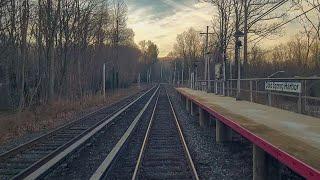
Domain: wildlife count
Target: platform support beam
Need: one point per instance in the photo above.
(223, 132)
(273, 168)
(203, 117)
(188, 105)
(184, 100)
(194, 109)
(260, 167)
(213, 121)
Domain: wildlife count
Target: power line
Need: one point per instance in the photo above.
(268, 12)
(285, 23)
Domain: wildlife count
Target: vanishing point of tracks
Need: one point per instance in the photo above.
(89, 147)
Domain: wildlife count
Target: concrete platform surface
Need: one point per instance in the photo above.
(292, 138)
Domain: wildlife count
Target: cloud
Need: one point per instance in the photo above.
(200, 5)
(163, 27)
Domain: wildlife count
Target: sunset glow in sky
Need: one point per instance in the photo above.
(161, 21)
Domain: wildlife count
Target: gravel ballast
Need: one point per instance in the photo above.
(232, 160)
(82, 163)
(123, 167)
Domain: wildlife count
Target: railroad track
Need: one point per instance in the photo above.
(164, 153)
(36, 155)
(156, 150)
(100, 148)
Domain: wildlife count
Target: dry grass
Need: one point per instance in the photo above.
(48, 117)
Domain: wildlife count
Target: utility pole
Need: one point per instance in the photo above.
(189, 83)
(182, 74)
(224, 74)
(239, 74)
(245, 39)
(208, 71)
(104, 81)
(150, 75)
(175, 73)
(161, 72)
(196, 75)
(139, 80)
(207, 59)
(117, 54)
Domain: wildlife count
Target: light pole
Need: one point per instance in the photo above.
(239, 43)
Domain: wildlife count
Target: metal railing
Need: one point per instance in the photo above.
(306, 101)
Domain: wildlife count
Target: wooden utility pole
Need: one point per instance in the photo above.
(139, 80)
(117, 54)
(175, 73)
(104, 80)
(182, 74)
(161, 71)
(207, 60)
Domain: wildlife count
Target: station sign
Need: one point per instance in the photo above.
(293, 87)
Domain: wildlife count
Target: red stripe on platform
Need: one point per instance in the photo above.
(292, 162)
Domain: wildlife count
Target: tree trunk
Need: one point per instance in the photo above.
(24, 33)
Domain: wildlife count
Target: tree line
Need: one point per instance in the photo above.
(257, 21)
(51, 49)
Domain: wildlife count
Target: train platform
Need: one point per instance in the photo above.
(291, 138)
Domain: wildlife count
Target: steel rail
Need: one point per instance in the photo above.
(38, 168)
(181, 137)
(190, 161)
(99, 173)
(145, 141)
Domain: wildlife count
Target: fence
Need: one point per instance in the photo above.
(301, 95)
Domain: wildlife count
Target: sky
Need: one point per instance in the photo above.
(162, 20)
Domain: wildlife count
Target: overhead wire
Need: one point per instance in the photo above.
(285, 23)
(268, 12)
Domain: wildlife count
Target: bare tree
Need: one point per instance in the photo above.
(53, 49)
(311, 19)
(24, 32)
